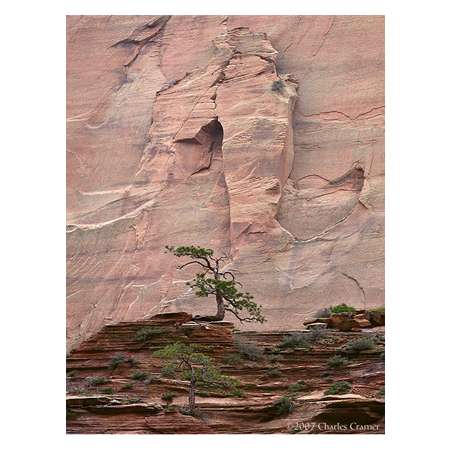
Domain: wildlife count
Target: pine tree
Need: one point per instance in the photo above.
(213, 280)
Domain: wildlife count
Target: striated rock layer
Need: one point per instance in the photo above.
(122, 404)
(257, 136)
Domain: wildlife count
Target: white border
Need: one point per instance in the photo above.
(33, 223)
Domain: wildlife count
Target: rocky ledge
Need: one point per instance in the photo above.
(349, 321)
(334, 381)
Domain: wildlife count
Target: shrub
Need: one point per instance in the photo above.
(249, 351)
(274, 373)
(116, 361)
(167, 397)
(70, 414)
(147, 333)
(168, 372)
(340, 387)
(77, 390)
(96, 381)
(277, 85)
(299, 386)
(139, 376)
(358, 345)
(342, 308)
(337, 361)
(381, 392)
(295, 340)
(380, 309)
(120, 359)
(236, 392)
(315, 334)
(232, 359)
(128, 386)
(132, 361)
(274, 358)
(283, 406)
(106, 390)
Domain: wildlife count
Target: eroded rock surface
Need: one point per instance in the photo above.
(121, 404)
(257, 136)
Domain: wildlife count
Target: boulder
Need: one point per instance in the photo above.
(343, 322)
(376, 318)
(363, 323)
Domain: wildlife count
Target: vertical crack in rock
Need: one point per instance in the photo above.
(254, 106)
(358, 285)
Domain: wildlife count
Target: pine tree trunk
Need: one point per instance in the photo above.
(220, 310)
(192, 392)
(220, 307)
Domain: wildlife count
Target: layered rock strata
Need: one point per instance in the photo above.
(122, 404)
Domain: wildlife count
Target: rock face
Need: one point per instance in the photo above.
(124, 404)
(256, 136)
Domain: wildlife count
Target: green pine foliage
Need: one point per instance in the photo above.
(214, 281)
(340, 387)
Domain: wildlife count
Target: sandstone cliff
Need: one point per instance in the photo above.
(258, 136)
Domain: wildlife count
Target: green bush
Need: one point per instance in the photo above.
(342, 308)
(283, 406)
(232, 359)
(116, 361)
(77, 390)
(299, 386)
(96, 381)
(358, 345)
(168, 372)
(337, 361)
(128, 386)
(147, 333)
(235, 392)
(119, 359)
(274, 358)
(315, 335)
(381, 392)
(106, 390)
(167, 397)
(340, 387)
(295, 340)
(132, 361)
(139, 376)
(249, 351)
